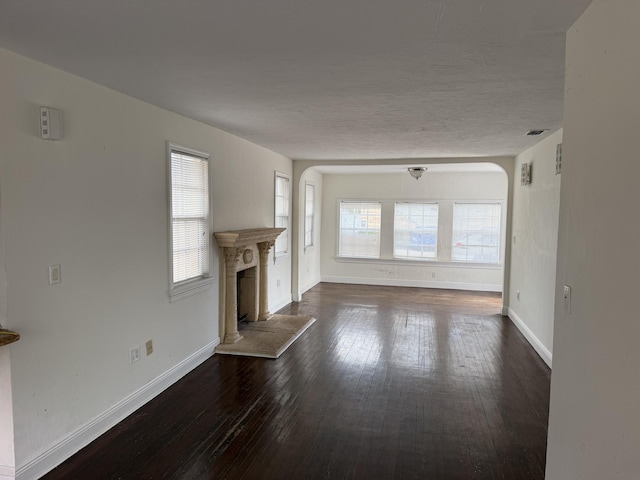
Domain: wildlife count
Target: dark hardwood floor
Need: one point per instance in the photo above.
(389, 383)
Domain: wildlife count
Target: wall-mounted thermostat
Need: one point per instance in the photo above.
(50, 124)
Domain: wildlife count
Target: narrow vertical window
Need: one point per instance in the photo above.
(189, 216)
(359, 229)
(415, 230)
(476, 232)
(282, 212)
(309, 208)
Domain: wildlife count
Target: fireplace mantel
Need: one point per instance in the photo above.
(243, 249)
(7, 337)
(243, 238)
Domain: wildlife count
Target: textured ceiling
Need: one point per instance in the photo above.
(347, 79)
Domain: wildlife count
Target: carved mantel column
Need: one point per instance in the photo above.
(264, 248)
(231, 256)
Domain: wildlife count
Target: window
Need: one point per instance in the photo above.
(309, 207)
(476, 232)
(282, 210)
(359, 229)
(415, 230)
(189, 218)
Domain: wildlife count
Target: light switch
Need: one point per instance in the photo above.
(567, 299)
(54, 274)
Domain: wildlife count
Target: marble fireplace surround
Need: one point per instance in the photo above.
(243, 250)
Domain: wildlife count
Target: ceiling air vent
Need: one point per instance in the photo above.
(533, 133)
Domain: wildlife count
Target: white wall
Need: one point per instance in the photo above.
(7, 457)
(594, 425)
(309, 262)
(96, 203)
(432, 186)
(533, 253)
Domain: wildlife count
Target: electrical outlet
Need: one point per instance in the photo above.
(278, 283)
(134, 354)
(149, 346)
(518, 294)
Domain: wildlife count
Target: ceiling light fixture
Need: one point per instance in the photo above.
(416, 172)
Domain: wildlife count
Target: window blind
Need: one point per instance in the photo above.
(476, 232)
(359, 229)
(190, 216)
(415, 231)
(309, 211)
(282, 210)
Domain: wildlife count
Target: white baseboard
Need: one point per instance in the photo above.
(505, 311)
(387, 282)
(537, 345)
(309, 285)
(278, 304)
(7, 473)
(84, 435)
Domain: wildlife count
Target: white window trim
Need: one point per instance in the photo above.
(276, 254)
(390, 260)
(190, 287)
(313, 216)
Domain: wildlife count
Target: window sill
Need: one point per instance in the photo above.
(186, 290)
(417, 263)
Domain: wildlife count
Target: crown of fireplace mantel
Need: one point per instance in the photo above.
(242, 238)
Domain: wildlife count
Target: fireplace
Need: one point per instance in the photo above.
(247, 295)
(246, 277)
